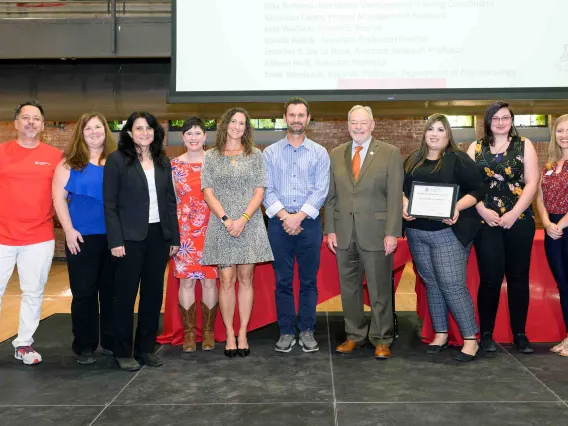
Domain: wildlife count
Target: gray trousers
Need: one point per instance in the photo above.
(441, 261)
(353, 264)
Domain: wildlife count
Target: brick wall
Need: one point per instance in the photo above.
(405, 133)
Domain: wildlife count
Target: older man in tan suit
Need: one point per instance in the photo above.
(363, 218)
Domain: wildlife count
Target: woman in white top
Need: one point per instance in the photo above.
(142, 232)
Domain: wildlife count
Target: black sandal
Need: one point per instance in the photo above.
(463, 357)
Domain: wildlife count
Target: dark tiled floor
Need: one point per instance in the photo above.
(270, 388)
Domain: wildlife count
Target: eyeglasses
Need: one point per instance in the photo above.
(505, 119)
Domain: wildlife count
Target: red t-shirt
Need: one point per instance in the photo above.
(26, 206)
(555, 189)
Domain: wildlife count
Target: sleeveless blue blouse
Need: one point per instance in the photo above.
(86, 208)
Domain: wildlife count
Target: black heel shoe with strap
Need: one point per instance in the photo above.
(434, 349)
(463, 357)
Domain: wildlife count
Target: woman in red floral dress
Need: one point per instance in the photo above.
(193, 217)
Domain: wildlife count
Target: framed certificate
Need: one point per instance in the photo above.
(432, 200)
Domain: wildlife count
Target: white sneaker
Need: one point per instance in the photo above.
(27, 355)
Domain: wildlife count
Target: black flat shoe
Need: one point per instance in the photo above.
(523, 344)
(434, 349)
(243, 352)
(463, 357)
(487, 343)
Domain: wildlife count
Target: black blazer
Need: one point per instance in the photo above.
(127, 201)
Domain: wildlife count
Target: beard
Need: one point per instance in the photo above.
(298, 131)
(31, 132)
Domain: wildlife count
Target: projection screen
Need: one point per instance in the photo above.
(267, 50)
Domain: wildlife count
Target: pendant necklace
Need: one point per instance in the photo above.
(234, 157)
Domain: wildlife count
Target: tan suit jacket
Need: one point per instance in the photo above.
(373, 204)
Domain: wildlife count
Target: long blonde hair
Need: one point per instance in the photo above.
(416, 159)
(554, 151)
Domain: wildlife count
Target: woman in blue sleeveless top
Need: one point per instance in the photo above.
(78, 201)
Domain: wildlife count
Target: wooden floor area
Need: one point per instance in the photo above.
(57, 297)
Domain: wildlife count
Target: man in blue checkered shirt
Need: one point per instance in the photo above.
(297, 185)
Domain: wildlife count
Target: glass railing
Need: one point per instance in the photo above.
(37, 9)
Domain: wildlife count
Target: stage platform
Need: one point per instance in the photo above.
(270, 388)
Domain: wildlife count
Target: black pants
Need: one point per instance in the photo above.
(504, 253)
(557, 255)
(91, 282)
(144, 264)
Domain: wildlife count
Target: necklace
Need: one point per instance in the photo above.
(497, 150)
(233, 154)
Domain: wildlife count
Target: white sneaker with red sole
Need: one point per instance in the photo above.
(27, 355)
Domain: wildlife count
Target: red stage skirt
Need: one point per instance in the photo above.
(545, 322)
(264, 308)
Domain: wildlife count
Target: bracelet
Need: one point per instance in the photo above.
(246, 216)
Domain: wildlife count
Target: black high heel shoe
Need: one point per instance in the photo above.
(463, 357)
(434, 349)
(243, 352)
(231, 353)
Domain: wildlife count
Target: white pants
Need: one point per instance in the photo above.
(34, 262)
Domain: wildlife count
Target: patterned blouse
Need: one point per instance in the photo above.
(555, 189)
(503, 175)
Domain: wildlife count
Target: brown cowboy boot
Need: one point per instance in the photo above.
(188, 321)
(209, 315)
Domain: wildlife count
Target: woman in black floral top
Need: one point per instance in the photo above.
(503, 246)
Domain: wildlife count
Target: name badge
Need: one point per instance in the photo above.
(549, 173)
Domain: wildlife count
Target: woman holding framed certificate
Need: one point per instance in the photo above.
(509, 166)
(441, 188)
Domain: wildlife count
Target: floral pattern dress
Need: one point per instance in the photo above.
(193, 217)
(503, 175)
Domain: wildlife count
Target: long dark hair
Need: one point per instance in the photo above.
(129, 149)
(416, 159)
(488, 136)
(247, 140)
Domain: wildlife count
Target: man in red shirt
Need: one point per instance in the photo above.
(26, 219)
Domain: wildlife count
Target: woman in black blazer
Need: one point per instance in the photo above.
(142, 231)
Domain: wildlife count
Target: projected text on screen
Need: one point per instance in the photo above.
(338, 45)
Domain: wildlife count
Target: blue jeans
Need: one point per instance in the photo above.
(557, 255)
(305, 249)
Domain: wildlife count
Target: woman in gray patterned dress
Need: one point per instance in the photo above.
(233, 179)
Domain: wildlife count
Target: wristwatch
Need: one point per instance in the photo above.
(224, 218)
